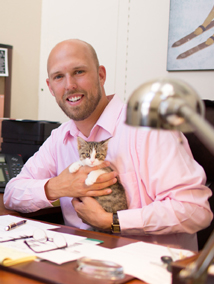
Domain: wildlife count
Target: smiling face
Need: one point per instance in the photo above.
(75, 79)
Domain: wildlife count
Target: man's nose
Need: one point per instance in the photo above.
(70, 83)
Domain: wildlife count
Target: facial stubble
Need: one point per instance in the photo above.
(82, 112)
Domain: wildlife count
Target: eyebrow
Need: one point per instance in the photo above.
(80, 66)
(75, 68)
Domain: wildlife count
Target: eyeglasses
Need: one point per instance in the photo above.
(3, 240)
(41, 243)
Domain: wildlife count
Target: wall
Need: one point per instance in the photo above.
(131, 39)
(21, 28)
(93, 21)
(130, 36)
(148, 45)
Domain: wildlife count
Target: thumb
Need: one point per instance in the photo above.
(75, 201)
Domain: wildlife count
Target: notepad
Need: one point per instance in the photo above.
(10, 256)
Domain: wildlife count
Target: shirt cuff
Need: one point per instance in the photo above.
(131, 221)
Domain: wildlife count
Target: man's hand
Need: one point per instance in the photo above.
(73, 184)
(92, 213)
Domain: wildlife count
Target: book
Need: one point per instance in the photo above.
(10, 256)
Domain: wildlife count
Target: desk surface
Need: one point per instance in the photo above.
(62, 272)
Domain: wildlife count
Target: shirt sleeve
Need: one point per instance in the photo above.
(175, 185)
(25, 193)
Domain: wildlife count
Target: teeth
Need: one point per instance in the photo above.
(74, 99)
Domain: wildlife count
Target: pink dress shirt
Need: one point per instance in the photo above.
(167, 198)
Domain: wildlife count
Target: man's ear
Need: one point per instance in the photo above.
(102, 74)
(50, 89)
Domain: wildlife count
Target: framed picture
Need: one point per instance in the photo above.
(191, 35)
(3, 62)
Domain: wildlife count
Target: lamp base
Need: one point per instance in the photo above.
(177, 266)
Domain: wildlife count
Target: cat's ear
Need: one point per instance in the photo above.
(81, 142)
(105, 142)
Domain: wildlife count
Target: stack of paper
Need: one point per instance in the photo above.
(9, 256)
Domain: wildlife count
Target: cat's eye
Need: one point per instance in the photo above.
(100, 157)
(87, 155)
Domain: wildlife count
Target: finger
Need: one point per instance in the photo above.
(102, 192)
(107, 177)
(101, 185)
(75, 201)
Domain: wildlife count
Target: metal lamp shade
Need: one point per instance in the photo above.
(156, 104)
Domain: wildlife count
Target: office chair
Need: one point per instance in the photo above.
(206, 159)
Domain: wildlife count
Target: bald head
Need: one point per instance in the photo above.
(73, 43)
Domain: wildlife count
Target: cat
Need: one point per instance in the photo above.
(92, 154)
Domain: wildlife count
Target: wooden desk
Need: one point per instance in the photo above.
(63, 272)
(66, 273)
(52, 214)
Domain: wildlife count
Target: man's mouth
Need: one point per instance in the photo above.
(74, 99)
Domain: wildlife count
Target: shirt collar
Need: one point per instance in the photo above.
(70, 131)
(109, 117)
(107, 120)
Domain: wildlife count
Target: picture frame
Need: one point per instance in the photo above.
(3, 62)
(191, 35)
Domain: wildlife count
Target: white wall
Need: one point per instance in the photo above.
(130, 37)
(94, 21)
(20, 27)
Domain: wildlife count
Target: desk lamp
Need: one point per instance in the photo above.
(171, 104)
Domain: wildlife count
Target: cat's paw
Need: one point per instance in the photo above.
(74, 167)
(90, 179)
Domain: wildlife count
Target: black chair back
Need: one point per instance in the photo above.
(206, 159)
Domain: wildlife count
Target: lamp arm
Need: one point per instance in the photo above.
(203, 130)
(197, 270)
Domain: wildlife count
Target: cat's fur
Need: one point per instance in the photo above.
(92, 154)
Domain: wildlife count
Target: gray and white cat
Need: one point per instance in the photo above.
(93, 154)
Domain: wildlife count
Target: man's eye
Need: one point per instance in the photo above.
(79, 72)
(57, 77)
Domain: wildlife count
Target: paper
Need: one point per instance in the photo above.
(138, 259)
(24, 230)
(59, 256)
(145, 259)
(9, 256)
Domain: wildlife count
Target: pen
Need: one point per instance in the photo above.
(14, 225)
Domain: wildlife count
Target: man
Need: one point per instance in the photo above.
(167, 199)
